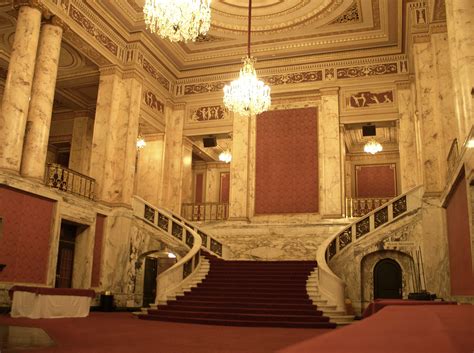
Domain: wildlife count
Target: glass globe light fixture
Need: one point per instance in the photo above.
(225, 156)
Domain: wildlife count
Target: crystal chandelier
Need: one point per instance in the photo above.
(372, 147)
(247, 94)
(178, 20)
(140, 142)
(225, 156)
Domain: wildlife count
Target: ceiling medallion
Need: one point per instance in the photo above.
(178, 20)
(247, 95)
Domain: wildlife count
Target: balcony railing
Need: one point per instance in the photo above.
(70, 181)
(209, 211)
(358, 207)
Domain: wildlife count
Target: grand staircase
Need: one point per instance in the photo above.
(247, 293)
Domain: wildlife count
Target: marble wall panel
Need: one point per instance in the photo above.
(212, 184)
(150, 170)
(408, 148)
(173, 160)
(272, 241)
(239, 168)
(81, 144)
(331, 177)
(187, 186)
(433, 154)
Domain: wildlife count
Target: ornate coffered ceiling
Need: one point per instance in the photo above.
(302, 31)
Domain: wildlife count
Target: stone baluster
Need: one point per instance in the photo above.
(38, 122)
(16, 97)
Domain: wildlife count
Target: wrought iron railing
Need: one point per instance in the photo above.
(209, 211)
(330, 285)
(177, 228)
(68, 180)
(358, 207)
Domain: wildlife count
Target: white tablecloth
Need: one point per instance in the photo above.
(41, 306)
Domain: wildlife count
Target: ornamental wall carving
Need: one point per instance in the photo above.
(368, 70)
(92, 29)
(213, 112)
(153, 72)
(351, 15)
(151, 100)
(367, 99)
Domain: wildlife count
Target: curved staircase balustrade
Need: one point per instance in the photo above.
(330, 285)
(180, 274)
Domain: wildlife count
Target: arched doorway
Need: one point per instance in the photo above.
(387, 279)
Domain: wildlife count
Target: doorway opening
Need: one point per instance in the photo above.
(387, 279)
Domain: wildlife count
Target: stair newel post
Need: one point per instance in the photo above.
(390, 212)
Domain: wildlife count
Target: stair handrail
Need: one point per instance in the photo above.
(330, 285)
(175, 277)
(210, 243)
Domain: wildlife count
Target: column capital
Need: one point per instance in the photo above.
(35, 4)
(111, 70)
(133, 73)
(327, 91)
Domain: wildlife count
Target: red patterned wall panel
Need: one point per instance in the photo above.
(199, 186)
(99, 236)
(24, 245)
(224, 189)
(459, 241)
(376, 180)
(287, 162)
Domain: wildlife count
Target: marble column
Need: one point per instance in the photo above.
(187, 187)
(41, 106)
(16, 97)
(407, 130)
(150, 169)
(239, 168)
(114, 150)
(431, 134)
(460, 17)
(173, 162)
(81, 144)
(330, 174)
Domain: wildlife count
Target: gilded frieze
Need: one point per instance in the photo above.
(204, 87)
(92, 29)
(368, 70)
(148, 67)
(300, 77)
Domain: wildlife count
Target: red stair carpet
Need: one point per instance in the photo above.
(248, 293)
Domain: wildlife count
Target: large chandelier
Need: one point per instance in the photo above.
(372, 147)
(178, 20)
(225, 156)
(247, 95)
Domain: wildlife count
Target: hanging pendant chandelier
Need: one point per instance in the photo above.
(373, 147)
(247, 95)
(178, 20)
(225, 156)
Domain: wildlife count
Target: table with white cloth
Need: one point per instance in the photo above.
(42, 303)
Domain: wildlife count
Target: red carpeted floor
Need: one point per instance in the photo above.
(248, 293)
(121, 332)
(401, 329)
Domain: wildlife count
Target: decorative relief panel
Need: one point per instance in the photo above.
(351, 15)
(368, 70)
(151, 100)
(216, 247)
(153, 72)
(204, 87)
(163, 222)
(177, 230)
(92, 29)
(300, 77)
(213, 112)
(203, 237)
(369, 99)
(149, 214)
(380, 217)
